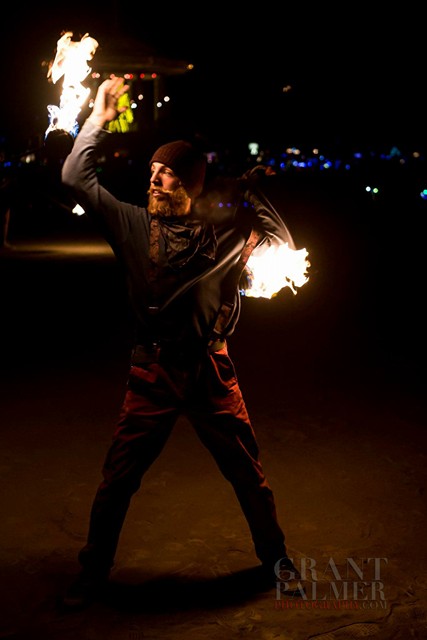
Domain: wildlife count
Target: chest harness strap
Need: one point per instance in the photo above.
(217, 340)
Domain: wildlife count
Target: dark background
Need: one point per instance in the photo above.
(356, 73)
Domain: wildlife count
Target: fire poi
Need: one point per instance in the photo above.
(268, 270)
(71, 62)
(275, 269)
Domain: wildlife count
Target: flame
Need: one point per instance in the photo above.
(276, 268)
(71, 61)
(78, 210)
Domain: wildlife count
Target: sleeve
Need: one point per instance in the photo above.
(79, 176)
(269, 224)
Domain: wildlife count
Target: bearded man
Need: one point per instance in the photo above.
(179, 271)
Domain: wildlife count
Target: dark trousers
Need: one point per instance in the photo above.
(160, 388)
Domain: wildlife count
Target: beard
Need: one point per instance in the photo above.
(174, 203)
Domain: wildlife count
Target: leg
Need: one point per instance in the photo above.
(145, 423)
(221, 421)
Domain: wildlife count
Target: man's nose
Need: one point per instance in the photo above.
(155, 177)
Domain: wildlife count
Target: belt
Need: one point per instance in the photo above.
(144, 354)
(149, 352)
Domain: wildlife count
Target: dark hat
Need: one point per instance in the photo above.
(186, 162)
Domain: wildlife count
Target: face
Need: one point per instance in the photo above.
(167, 196)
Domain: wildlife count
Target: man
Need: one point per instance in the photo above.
(180, 271)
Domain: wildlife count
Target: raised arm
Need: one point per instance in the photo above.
(79, 173)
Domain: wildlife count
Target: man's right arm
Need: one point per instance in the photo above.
(79, 169)
(80, 177)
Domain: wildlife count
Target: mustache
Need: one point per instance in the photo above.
(160, 190)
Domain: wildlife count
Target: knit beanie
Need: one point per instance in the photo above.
(186, 162)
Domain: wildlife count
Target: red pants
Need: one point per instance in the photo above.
(208, 393)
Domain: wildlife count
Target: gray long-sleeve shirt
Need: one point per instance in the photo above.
(197, 258)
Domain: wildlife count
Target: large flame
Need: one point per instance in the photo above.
(71, 61)
(276, 268)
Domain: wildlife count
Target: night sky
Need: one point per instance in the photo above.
(356, 75)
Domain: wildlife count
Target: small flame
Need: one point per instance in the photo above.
(78, 210)
(71, 61)
(277, 268)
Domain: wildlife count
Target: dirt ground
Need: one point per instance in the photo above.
(334, 382)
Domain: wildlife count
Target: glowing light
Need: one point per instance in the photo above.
(275, 269)
(253, 148)
(27, 159)
(78, 210)
(71, 62)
